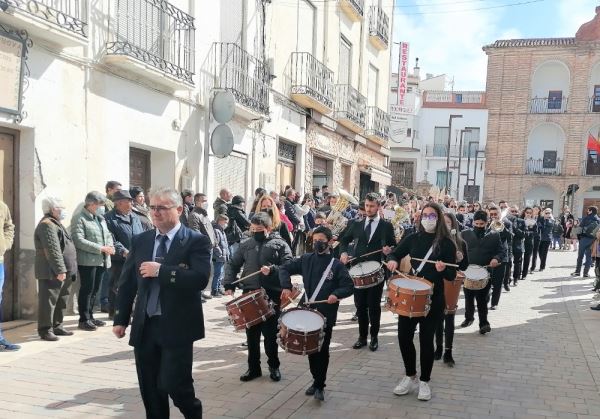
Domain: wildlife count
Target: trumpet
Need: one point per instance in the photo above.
(336, 220)
(497, 226)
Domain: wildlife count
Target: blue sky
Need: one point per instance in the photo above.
(447, 36)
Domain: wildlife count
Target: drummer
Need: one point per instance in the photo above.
(446, 325)
(264, 251)
(370, 234)
(431, 242)
(484, 249)
(337, 284)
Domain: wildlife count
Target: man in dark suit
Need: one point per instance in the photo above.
(371, 234)
(166, 269)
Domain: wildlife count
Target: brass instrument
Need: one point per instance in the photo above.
(497, 226)
(400, 217)
(336, 220)
(530, 222)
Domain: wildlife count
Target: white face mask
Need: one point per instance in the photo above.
(62, 214)
(204, 205)
(429, 225)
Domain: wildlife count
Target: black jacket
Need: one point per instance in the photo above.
(383, 236)
(483, 249)
(519, 229)
(291, 213)
(182, 277)
(312, 266)
(531, 232)
(123, 228)
(238, 224)
(253, 255)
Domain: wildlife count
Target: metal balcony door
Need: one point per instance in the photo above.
(139, 168)
(7, 195)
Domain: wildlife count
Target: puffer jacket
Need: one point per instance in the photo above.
(90, 233)
(7, 232)
(54, 250)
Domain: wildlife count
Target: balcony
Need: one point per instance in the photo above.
(544, 167)
(310, 82)
(594, 104)
(244, 75)
(548, 105)
(153, 39)
(378, 125)
(379, 28)
(61, 22)
(591, 166)
(441, 150)
(354, 9)
(350, 108)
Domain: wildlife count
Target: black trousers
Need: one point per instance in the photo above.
(517, 265)
(165, 372)
(268, 329)
(527, 259)
(497, 282)
(91, 277)
(508, 270)
(445, 329)
(482, 297)
(115, 273)
(52, 303)
(534, 255)
(406, 334)
(544, 247)
(319, 362)
(368, 310)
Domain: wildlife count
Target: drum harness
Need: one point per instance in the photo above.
(424, 261)
(320, 284)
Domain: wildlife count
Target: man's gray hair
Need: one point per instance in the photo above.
(94, 197)
(51, 202)
(167, 193)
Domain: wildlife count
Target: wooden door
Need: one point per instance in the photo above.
(139, 168)
(286, 174)
(7, 195)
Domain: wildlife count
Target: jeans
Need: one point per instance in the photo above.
(1, 289)
(585, 249)
(218, 273)
(556, 242)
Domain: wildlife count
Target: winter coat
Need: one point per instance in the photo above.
(90, 233)
(198, 220)
(221, 249)
(7, 232)
(546, 227)
(238, 224)
(144, 214)
(122, 228)
(54, 250)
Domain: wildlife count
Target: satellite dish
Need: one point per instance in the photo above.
(221, 141)
(223, 106)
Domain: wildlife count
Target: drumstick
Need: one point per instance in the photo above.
(247, 276)
(366, 254)
(316, 302)
(401, 274)
(434, 262)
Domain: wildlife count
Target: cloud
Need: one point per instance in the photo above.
(572, 14)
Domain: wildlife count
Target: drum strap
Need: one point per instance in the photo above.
(321, 282)
(424, 261)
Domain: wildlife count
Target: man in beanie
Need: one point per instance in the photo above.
(238, 222)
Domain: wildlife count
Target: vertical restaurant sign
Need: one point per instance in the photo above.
(402, 72)
(11, 70)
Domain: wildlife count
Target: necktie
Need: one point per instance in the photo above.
(368, 230)
(153, 305)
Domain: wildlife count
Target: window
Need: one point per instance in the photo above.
(409, 89)
(596, 99)
(555, 99)
(440, 180)
(549, 161)
(345, 73)
(471, 141)
(373, 85)
(458, 98)
(440, 142)
(403, 173)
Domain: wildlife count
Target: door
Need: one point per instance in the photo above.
(285, 175)
(596, 99)
(139, 168)
(7, 195)
(366, 185)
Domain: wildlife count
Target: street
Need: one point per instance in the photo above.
(540, 360)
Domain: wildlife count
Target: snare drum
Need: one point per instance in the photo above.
(367, 274)
(296, 292)
(301, 331)
(249, 309)
(476, 277)
(452, 292)
(409, 296)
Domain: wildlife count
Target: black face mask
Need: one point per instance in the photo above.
(268, 211)
(480, 231)
(259, 236)
(320, 246)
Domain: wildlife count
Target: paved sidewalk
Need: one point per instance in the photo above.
(540, 361)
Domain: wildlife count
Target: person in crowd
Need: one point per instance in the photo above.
(110, 188)
(7, 236)
(55, 269)
(222, 202)
(140, 208)
(557, 236)
(324, 278)
(198, 221)
(289, 202)
(283, 215)
(566, 221)
(238, 222)
(188, 205)
(500, 279)
(589, 226)
(264, 251)
(537, 214)
(575, 232)
(476, 207)
(164, 275)
(546, 226)
(94, 245)
(220, 255)
(518, 243)
(268, 206)
(531, 230)
(316, 193)
(567, 234)
(123, 224)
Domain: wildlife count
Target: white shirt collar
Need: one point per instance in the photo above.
(171, 233)
(375, 219)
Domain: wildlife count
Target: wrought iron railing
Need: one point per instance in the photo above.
(244, 75)
(594, 105)
(357, 5)
(378, 123)
(350, 105)
(67, 14)
(548, 105)
(591, 166)
(379, 24)
(156, 33)
(551, 167)
(309, 76)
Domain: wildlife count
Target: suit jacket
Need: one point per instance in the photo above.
(182, 277)
(383, 236)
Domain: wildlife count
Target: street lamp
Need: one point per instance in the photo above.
(462, 134)
(448, 150)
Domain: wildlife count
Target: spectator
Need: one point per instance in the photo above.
(284, 217)
(220, 255)
(94, 246)
(7, 236)
(557, 233)
(188, 205)
(198, 220)
(331, 201)
(267, 205)
(238, 223)
(589, 227)
(575, 232)
(111, 187)
(222, 202)
(140, 208)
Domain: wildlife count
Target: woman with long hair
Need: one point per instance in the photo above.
(446, 324)
(266, 204)
(431, 241)
(537, 214)
(531, 231)
(546, 226)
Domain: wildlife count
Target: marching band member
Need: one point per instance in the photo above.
(518, 242)
(264, 251)
(484, 249)
(371, 234)
(432, 242)
(531, 231)
(315, 268)
(506, 234)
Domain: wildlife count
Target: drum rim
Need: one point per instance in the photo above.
(392, 286)
(380, 266)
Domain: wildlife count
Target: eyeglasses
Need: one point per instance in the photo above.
(453, 207)
(161, 208)
(429, 217)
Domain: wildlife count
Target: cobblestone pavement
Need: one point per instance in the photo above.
(541, 360)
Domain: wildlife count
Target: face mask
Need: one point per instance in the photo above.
(204, 205)
(480, 231)
(260, 236)
(100, 211)
(224, 226)
(62, 214)
(268, 211)
(320, 246)
(429, 225)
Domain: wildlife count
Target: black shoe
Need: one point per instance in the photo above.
(586, 275)
(374, 344)
(319, 394)
(310, 391)
(514, 284)
(87, 326)
(597, 308)
(466, 323)
(275, 374)
(448, 360)
(493, 307)
(575, 274)
(359, 344)
(98, 323)
(250, 375)
(532, 271)
(244, 344)
(215, 294)
(59, 331)
(354, 318)
(541, 270)
(438, 354)
(104, 308)
(49, 336)
(485, 329)
(506, 287)
(523, 278)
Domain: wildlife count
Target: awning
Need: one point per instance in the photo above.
(383, 178)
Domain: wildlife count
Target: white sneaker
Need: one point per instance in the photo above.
(424, 391)
(406, 386)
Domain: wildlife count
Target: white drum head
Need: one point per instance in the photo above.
(302, 320)
(476, 273)
(411, 284)
(365, 268)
